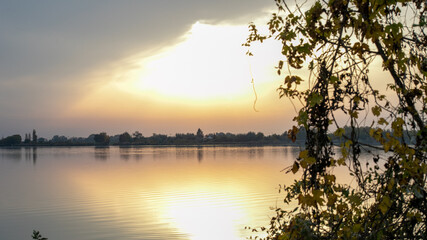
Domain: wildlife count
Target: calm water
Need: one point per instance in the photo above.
(140, 193)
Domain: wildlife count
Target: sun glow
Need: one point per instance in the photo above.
(209, 63)
(204, 76)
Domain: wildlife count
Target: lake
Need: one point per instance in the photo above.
(140, 192)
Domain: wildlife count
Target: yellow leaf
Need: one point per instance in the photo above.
(385, 204)
(304, 164)
(329, 179)
(339, 132)
(376, 110)
(310, 160)
(317, 197)
(342, 208)
(354, 114)
(303, 154)
(387, 146)
(382, 121)
(295, 167)
(332, 198)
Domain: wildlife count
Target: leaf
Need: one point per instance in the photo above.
(339, 132)
(304, 164)
(317, 196)
(315, 99)
(376, 110)
(302, 118)
(382, 121)
(385, 204)
(292, 133)
(329, 179)
(310, 160)
(333, 79)
(303, 154)
(354, 114)
(295, 167)
(332, 198)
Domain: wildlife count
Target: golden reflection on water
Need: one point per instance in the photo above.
(199, 218)
(212, 199)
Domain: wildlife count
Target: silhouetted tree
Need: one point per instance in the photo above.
(102, 139)
(125, 138)
(137, 136)
(199, 135)
(11, 140)
(27, 138)
(34, 136)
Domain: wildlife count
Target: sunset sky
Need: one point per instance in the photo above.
(79, 67)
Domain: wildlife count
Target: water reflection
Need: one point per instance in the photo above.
(14, 154)
(175, 193)
(102, 153)
(200, 154)
(124, 152)
(128, 152)
(34, 155)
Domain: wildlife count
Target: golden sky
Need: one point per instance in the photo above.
(203, 80)
(74, 69)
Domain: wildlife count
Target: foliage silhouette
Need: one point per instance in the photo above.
(37, 236)
(337, 42)
(11, 140)
(102, 139)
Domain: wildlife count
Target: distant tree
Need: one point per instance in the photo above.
(125, 138)
(34, 136)
(11, 140)
(41, 140)
(259, 136)
(158, 139)
(90, 139)
(27, 138)
(250, 136)
(199, 135)
(59, 139)
(102, 138)
(137, 136)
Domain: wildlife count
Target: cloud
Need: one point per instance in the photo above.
(51, 49)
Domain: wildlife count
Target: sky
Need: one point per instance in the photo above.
(79, 67)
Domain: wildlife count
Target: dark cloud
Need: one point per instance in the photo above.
(64, 37)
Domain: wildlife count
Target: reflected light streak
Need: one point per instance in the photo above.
(202, 219)
(215, 200)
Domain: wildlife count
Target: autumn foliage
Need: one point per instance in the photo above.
(338, 42)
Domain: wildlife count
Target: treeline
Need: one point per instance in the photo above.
(138, 138)
(198, 138)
